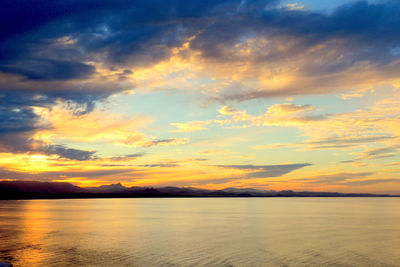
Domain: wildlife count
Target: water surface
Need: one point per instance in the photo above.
(201, 232)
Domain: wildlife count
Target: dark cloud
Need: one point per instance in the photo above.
(334, 142)
(69, 153)
(18, 124)
(198, 159)
(359, 23)
(161, 142)
(161, 165)
(128, 157)
(358, 35)
(347, 161)
(264, 171)
(49, 69)
(137, 155)
(15, 119)
(121, 32)
(142, 32)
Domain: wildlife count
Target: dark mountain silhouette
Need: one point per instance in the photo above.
(36, 190)
(112, 188)
(246, 190)
(38, 187)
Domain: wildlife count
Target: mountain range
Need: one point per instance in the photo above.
(50, 190)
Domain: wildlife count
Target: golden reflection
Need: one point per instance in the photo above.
(36, 226)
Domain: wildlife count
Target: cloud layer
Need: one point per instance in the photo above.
(63, 62)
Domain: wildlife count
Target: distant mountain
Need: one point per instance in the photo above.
(38, 187)
(246, 190)
(112, 188)
(34, 189)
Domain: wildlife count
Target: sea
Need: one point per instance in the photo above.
(201, 232)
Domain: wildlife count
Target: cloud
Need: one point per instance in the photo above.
(228, 110)
(372, 182)
(381, 152)
(98, 125)
(286, 114)
(195, 126)
(214, 152)
(35, 129)
(49, 70)
(119, 34)
(275, 146)
(139, 139)
(160, 165)
(335, 178)
(192, 126)
(376, 123)
(166, 142)
(288, 108)
(294, 6)
(127, 157)
(349, 140)
(82, 52)
(266, 171)
(17, 127)
(283, 52)
(69, 153)
(334, 142)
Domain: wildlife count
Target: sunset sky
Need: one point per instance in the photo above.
(276, 95)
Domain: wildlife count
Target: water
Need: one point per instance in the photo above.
(201, 232)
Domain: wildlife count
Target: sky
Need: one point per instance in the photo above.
(275, 95)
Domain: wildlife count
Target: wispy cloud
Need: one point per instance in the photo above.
(139, 139)
(265, 171)
(335, 178)
(381, 152)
